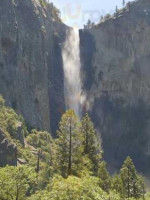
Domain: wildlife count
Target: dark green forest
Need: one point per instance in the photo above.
(69, 167)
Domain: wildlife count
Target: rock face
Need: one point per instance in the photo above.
(116, 69)
(8, 151)
(31, 72)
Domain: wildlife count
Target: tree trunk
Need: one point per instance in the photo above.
(38, 162)
(128, 184)
(17, 194)
(87, 141)
(70, 150)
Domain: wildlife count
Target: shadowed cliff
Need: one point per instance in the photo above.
(31, 71)
(116, 68)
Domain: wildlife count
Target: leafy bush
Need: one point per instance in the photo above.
(16, 182)
(74, 188)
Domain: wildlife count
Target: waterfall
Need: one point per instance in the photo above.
(72, 65)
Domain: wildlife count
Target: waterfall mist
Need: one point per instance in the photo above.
(72, 66)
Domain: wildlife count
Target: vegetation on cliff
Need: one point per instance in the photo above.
(69, 167)
(55, 13)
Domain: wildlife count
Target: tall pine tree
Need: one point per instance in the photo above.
(91, 142)
(116, 184)
(123, 3)
(69, 143)
(133, 184)
(105, 181)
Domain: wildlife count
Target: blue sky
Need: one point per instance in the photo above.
(77, 12)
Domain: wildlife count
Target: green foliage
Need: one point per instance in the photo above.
(2, 101)
(16, 182)
(43, 3)
(55, 13)
(74, 188)
(45, 145)
(108, 16)
(133, 185)
(69, 144)
(89, 25)
(91, 143)
(42, 140)
(105, 182)
(10, 122)
(26, 155)
(147, 196)
(69, 167)
(116, 184)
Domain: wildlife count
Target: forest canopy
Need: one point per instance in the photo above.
(68, 167)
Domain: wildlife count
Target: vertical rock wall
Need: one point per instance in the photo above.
(116, 69)
(31, 71)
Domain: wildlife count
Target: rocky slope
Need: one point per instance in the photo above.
(31, 72)
(8, 151)
(116, 69)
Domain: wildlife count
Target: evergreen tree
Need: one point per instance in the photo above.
(91, 143)
(101, 18)
(123, 3)
(116, 184)
(2, 101)
(140, 188)
(116, 9)
(128, 177)
(133, 185)
(105, 181)
(69, 143)
(89, 24)
(45, 146)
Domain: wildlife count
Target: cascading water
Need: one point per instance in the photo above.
(72, 65)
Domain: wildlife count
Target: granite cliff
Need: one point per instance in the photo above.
(115, 69)
(31, 71)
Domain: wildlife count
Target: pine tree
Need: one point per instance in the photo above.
(128, 176)
(38, 162)
(140, 188)
(133, 184)
(101, 18)
(69, 143)
(89, 24)
(2, 101)
(91, 143)
(116, 184)
(116, 9)
(105, 181)
(123, 3)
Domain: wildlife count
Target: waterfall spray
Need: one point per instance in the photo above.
(72, 67)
